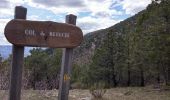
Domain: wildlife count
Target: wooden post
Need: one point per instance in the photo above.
(17, 61)
(65, 74)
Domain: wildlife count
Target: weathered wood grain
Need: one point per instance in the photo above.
(66, 66)
(43, 34)
(17, 61)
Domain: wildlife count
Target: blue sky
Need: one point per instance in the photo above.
(92, 14)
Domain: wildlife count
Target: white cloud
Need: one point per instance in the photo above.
(7, 7)
(3, 41)
(59, 6)
(101, 12)
(7, 11)
(3, 23)
(4, 4)
(76, 6)
(58, 3)
(33, 17)
(89, 24)
(101, 7)
(134, 6)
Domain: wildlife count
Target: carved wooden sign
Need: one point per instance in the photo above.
(43, 34)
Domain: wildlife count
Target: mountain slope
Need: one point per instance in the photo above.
(153, 16)
(93, 40)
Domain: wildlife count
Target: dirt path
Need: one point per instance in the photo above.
(129, 93)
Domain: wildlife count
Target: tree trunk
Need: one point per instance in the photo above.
(158, 75)
(129, 79)
(114, 80)
(33, 80)
(142, 83)
(158, 78)
(168, 76)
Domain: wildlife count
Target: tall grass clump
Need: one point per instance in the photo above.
(97, 90)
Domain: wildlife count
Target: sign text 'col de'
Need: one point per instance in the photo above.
(43, 34)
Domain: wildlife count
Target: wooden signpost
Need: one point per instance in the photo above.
(43, 34)
(21, 32)
(17, 61)
(64, 84)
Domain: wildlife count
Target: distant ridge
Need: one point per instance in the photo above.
(6, 50)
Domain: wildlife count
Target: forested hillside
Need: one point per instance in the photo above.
(134, 52)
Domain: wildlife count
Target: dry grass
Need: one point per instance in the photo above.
(126, 93)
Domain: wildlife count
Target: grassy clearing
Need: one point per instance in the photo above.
(125, 93)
